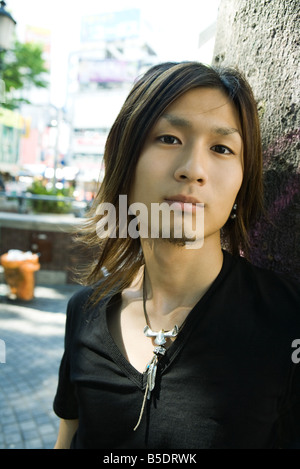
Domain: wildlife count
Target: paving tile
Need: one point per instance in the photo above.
(35, 443)
(34, 335)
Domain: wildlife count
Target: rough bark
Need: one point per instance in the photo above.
(261, 38)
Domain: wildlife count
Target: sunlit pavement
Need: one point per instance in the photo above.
(33, 335)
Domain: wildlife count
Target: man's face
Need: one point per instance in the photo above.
(194, 153)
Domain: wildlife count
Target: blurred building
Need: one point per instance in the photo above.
(21, 130)
(115, 49)
(11, 129)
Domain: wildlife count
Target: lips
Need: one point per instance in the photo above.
(185, 199)
(185, 203)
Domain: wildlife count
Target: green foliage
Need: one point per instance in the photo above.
(50, 206)
(23, 67)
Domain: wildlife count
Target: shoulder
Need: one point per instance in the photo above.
(269, 281)
(80, 299)
(83, 315)
(271, 291)
(263, 301)
(83, 305)
(78, 308)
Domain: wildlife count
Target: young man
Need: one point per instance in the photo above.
(175, 344)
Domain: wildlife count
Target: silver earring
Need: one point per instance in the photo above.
(233, 212)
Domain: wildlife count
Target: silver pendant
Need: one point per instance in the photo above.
(161, 336)
(151, 375)
(160, 340)
(151, 368)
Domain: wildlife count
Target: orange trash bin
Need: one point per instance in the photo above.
(19, 268)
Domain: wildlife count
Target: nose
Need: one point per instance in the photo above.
(192, 166)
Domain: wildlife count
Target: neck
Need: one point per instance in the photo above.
(176, 277)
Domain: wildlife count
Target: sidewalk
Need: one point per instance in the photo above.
(33, 333)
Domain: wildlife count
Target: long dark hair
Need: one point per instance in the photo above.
(150, 96)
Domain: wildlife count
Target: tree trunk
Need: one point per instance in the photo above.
(261, 39)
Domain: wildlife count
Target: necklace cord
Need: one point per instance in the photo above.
(160, 340)
(142, 409)
(145, 299)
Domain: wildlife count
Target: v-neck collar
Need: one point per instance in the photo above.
(140, 379)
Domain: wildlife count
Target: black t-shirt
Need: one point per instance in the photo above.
(227, 381)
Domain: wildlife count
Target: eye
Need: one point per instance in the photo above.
(221, 149)
(169, 140)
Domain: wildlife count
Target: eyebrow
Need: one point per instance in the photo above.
(176, 120)
(181, 122)
(225, 130)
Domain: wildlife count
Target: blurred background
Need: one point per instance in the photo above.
(66, 67)
(67, 71)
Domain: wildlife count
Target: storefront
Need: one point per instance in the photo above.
(11, 129)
